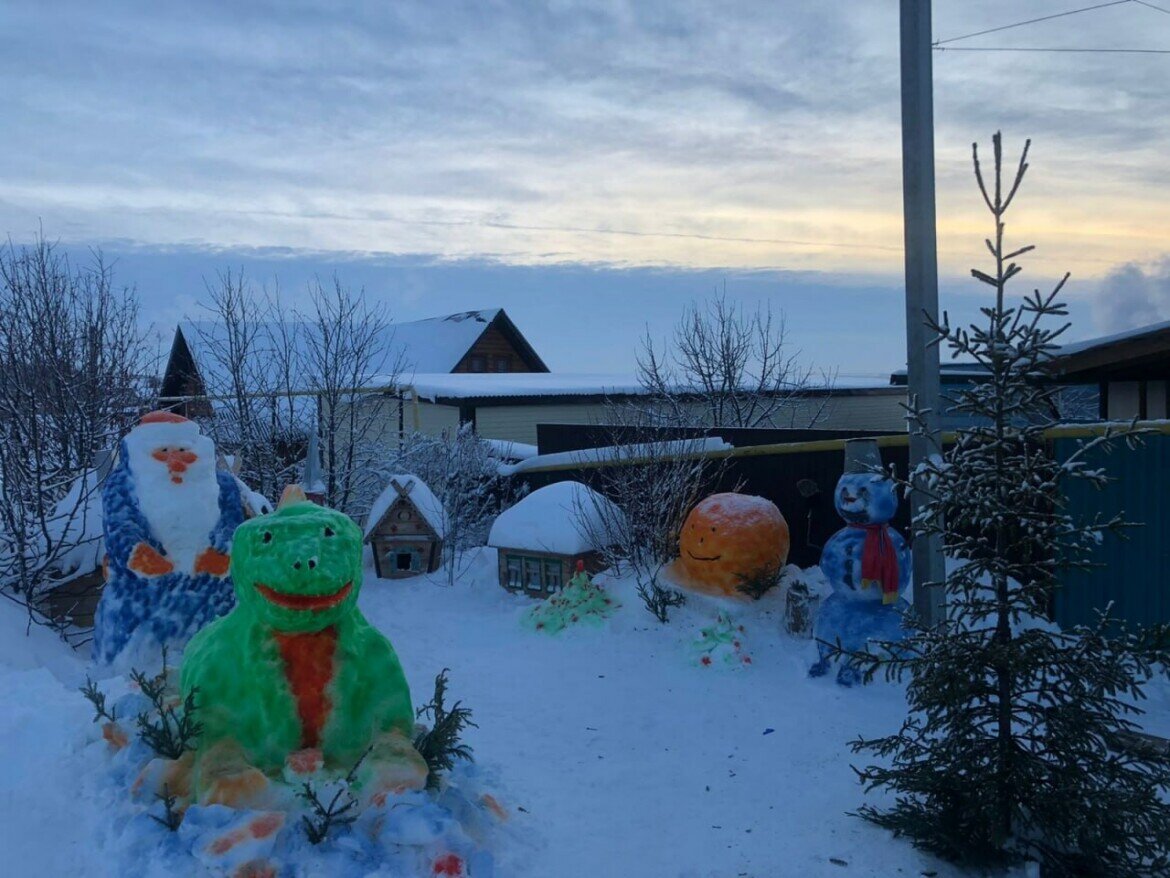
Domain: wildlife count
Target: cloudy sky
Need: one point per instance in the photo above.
(591, 167)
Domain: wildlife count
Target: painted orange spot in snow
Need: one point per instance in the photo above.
(266, 824)
(256, 869)
(306, 761)
(493, 805)
(225, 843)
(115, 735)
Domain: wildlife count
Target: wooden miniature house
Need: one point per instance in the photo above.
(405, 529)
(540, 540)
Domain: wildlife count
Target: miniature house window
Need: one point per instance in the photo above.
(503, 364)
(515, 571)
(552, 575)
(478, 364)
(532, 579)
(404, 514)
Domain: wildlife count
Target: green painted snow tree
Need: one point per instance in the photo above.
(1019, 742)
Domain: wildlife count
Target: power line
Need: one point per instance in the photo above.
(699, 236)
(1046, 49)
(993, 30)
(1153, 6)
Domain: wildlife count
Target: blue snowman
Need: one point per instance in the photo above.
(867, 564)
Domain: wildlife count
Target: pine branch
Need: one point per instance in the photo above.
(440, 745)
(171, 818)
(173, 729)
(98, 699)
(338, 813)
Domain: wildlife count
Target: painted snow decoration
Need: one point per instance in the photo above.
(723, 643)
(168, 518)
(580, 602)
(451, 830)
(296, 667)
(867, 564)
(564, 518)
(729, 541)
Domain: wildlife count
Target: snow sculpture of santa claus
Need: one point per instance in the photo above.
(169, 515)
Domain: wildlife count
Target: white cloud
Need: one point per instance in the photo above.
(1132, 295)
(535, 132)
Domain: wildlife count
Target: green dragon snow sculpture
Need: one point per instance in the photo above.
(295, 675)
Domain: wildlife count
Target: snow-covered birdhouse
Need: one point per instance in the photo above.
(541, 538)
(406, 527)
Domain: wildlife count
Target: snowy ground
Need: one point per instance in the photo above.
(616, 753)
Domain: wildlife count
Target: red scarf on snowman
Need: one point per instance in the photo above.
(879, 560)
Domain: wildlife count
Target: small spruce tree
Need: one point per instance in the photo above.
(1019, 739)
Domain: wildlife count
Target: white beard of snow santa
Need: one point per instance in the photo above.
(173, 467)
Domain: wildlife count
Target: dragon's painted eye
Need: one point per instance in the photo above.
(328, 531)
(267, 536)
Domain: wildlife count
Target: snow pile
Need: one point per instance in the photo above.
(610, 751)
(417, 491)
(254, 502)
(76, 527)
(559, 518)
(450, 831)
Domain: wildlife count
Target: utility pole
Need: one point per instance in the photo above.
(921, 277)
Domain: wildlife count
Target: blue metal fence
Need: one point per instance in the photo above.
(1135, 574)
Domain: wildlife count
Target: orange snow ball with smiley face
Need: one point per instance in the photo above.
(730, 540)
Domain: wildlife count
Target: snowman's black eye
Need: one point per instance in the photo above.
(328, 531)
(267, 536)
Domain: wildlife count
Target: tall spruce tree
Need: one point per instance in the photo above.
(1019, 739)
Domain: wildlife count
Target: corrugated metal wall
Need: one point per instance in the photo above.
(1136, 571)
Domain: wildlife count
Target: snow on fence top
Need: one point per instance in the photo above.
(506, 449)
(423, 498)
(549, 520)
(617, 453)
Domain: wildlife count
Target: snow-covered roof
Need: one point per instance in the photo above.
(656, 450)
(471, 385)
(421, 496)
(1077, 347)
(480, 385)
(435, 345)
(550, 520)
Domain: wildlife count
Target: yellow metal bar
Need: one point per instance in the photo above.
(894, 440)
